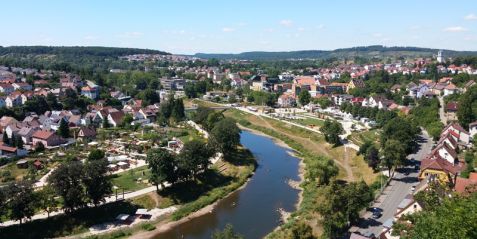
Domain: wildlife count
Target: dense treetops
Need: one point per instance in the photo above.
(344, 52)
(77, 50)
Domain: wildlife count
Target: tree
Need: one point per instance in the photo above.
(332, 130)
(322, 170)
(341, 206)
(464, 112)
(227, 233)
(194, 157)
(39, 147)
(372, 157)
(22, 203)
(394, 154)
(3, 202)
(163, 167)
(19, 142)
(46, 200)
(5, 139)
(95, 154)
(453, 217)
(364, 147)
(304, 97)
(97, 183)
(66, 180)
(64, 129)
(300, 230)
(212, 119)
(105, 123)
(127, 120)
(178, 112)
(149, 97)
(225, 136)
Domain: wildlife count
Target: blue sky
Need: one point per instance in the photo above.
(223, 26)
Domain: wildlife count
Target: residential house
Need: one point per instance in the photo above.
(8, 151)
(90, 92)
(286, 100)
(6, 88)
(435, 168)
(468, 85)
(86, 134)
(22, 86)
(463, 135)
(47, 138)
(395, 88)
(473, 129)
(115, 118)
(355, 83)
(450, 89)
(451, 110)
(26, 133)
(13, 100)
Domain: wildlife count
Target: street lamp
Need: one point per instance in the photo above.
(116, 189)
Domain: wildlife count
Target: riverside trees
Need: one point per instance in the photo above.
(78, 184)
(187, 165)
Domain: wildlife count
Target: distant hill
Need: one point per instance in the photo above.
(75, 50)
(365, 51)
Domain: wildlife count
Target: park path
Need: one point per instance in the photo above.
(442, 114)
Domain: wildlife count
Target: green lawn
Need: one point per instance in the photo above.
(129, 180)
(309, 121)
(360, 137)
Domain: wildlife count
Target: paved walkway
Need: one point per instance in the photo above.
(442, 114)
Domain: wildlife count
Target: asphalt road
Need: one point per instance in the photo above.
(399, 187)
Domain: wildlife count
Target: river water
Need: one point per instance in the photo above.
(252, 210)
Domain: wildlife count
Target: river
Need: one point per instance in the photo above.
(252, 210)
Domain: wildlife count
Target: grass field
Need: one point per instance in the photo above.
(309, 121)
(129, 180)
(360, 137)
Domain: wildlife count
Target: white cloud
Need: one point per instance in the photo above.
(228, 29)
(321, 26)
(269, 30)
(301, 29)
(131, 35)
(471, 17)
(455, 29)
(286, 23)
(415, 27)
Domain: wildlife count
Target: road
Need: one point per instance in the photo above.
(398, 188)
(442, 114)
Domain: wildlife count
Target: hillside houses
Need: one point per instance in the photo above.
(443, 164)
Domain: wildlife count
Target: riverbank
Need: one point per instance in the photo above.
(240, 167)
(301, 169)
(310, 147)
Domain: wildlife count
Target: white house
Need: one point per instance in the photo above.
(473, 129)
(464, 136)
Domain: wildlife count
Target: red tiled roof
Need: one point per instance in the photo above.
(43, 134)
(435, 162)
(452, 106)
(7, 148)
(462, 184)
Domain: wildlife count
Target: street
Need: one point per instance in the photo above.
(398, 188)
